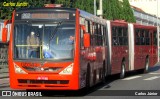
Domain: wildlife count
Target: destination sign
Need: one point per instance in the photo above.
(45, 16)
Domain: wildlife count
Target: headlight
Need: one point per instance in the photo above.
(67, 70)
(18, 69)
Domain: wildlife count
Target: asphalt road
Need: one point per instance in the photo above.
(134, 85)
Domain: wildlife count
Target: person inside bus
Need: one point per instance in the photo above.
(68, 40)
(33, 45)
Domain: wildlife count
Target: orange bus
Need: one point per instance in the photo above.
(56, 49)
(69, 49)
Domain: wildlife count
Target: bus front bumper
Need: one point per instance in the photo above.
(44, 82)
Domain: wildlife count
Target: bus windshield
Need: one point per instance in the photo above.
(44, 40)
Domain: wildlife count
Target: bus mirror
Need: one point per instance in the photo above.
(4, 35)
(83, 28)
(86, 40)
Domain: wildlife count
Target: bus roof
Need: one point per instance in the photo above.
(143, 26)
(92, 17)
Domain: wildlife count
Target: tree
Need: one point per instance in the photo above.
(6, 11)
(127, 12)
(107, 10)
(112, 9)
(66, 3)
(87, 5)
(116, 9)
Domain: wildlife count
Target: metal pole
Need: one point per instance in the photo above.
(101, 10)
(94, 7)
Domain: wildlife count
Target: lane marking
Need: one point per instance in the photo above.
(134, 77)
(154, 73)
(151, 78)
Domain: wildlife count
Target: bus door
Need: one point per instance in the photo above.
(153, 47)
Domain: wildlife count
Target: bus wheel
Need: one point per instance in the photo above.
(88, 77)
(146, 65)
(122, 74)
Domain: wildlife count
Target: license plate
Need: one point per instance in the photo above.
(42, 78)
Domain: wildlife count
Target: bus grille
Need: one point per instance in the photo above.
(28, 81)
(46, 69)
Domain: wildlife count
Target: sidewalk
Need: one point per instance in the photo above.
(4, 77)
(4, 73)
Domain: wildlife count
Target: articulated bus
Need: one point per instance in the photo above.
(43, 56)
(131, 47)
(53, 63)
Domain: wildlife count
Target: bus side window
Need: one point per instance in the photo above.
(121, 40)
(113, 31)
(105, 35)
(143, 40)
(93, 38)
(125, 35)
(138, 36)
(115, 39)
(81, 32)
(96, 34)
(91, 28)
(120, 31)
(86, 25)
(147, 38)
(155, 38)
(100, 35)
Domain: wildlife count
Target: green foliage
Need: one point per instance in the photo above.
(117, 10)
(112, 9)
(107, 10)
(66, 3)
(128, 12)
(6, 11)
(87, 5)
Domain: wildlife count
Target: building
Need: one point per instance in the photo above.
(147, 12)
(145, 18)
(149, 6)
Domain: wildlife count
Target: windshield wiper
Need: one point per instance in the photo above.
(55, 30)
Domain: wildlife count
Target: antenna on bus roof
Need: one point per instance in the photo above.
(52, 5)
